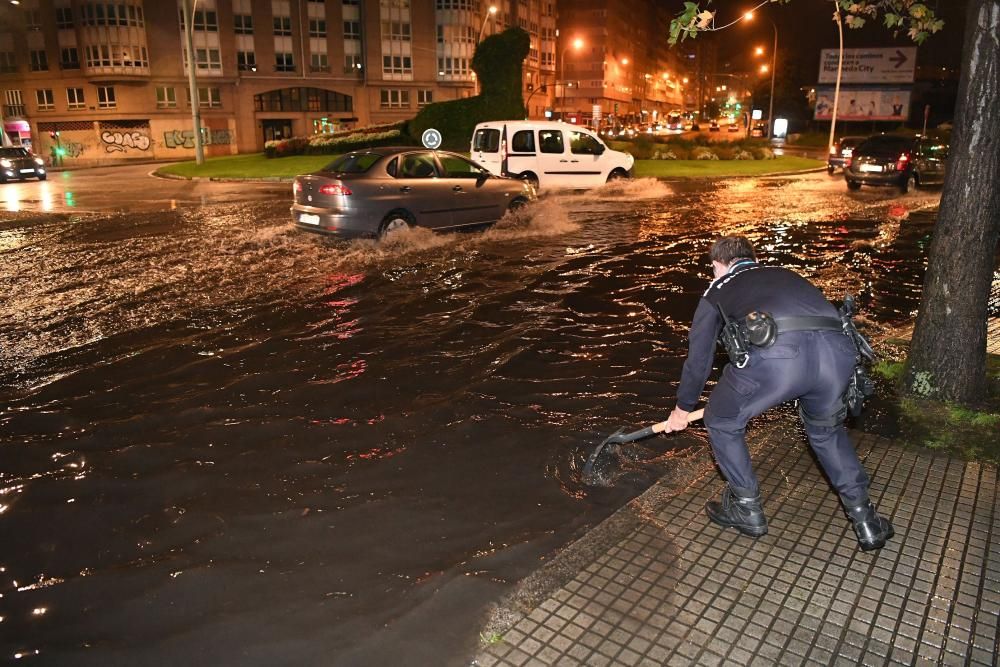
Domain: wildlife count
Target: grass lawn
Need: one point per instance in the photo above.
(719, 168)
(255, 165)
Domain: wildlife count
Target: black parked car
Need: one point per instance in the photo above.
(894, 160)
(841, 150)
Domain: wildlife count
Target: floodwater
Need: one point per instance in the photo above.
(226, 441)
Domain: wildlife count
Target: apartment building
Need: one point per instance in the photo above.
(108, 81)
(615, 61)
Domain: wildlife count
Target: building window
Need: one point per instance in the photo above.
(352, 63)
(46, 101)
(64, 17)
(470, 5)
(424, 97)
(166, 97)
(208, 59)
(15, 104)
(352, 30)
(454, 66)
(7, 62)
(74, 98)
(397, 65)
(319, 62)
(284, 62)
(398, 31)
(282, 25)
(209, 97)
(393, 98)
(106, 97)
(69, 58)
(243, 24)
(206, 21)
(39, 61)
(33, 17)
(246, 61)
(111, 14)
(354, 3)
(317, 28)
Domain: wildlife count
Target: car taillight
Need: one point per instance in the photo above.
(901, 163)
(847, 162)
(297, 186)
(335, 190)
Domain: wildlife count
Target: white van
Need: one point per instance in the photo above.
(548, 154)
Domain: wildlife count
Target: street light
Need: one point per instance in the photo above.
(576, 44)
(187, 10)
(491, 12)
(774, 54)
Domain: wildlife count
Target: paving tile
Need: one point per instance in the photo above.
(804, 595)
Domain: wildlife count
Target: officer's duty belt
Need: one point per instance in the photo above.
(808, 323)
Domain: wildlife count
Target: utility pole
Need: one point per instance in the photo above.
(188, 13)
(836, 90)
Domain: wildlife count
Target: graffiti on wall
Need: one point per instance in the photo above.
(72, 148)
(122, 141)
(185, 138)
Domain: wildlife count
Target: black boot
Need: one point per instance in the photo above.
(872, 530)
(743, 513)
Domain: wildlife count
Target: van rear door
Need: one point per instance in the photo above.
(486, 149)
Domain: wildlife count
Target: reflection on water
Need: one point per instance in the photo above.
(234, 438)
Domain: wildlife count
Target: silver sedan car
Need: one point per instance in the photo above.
(378, 191)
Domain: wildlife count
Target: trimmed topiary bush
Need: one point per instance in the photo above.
(742, 154)
(703, 153)
(497, 64)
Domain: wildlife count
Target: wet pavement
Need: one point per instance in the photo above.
(228, 440)
(671, 588)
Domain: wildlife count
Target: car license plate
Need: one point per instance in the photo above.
(309, 218)
(27, 171)
(871, 167)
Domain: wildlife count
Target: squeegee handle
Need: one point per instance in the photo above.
(660, 427)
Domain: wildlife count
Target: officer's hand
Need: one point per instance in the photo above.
(678, 420)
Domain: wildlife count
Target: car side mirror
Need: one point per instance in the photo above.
(600, 149)
(482, 178)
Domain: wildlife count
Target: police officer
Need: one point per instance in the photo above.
(808, 357)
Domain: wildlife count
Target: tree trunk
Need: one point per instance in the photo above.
(948, 354)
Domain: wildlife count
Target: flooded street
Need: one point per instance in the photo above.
(227, 441)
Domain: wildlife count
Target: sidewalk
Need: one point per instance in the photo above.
(670, 588)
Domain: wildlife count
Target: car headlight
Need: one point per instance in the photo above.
(5, 163)
(39, 161)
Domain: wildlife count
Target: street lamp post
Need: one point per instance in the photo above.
(774, 55)
(187, 7)
(577, 44)
(492, 12)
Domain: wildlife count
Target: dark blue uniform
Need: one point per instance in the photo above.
(811, 366)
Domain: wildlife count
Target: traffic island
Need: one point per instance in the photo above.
(672, 588)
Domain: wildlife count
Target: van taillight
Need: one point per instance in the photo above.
(335, 190)
(297, 186)
(901, 163)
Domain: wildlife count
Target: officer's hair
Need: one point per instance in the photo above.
(731, 248)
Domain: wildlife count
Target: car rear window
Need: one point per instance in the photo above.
(486, 141)
(353, 163)
(885, 143)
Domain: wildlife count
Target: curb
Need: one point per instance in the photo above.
(223, 179)
(814, 170)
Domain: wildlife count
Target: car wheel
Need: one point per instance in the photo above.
(909, 184)
(516, 205)
(853, 185)
(397, 221)
(617, 175)
(530, 178)
(43, 177)
(830, 169)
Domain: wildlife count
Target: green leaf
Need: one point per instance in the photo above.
(892, 20)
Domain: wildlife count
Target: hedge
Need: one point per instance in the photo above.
(335, 144)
